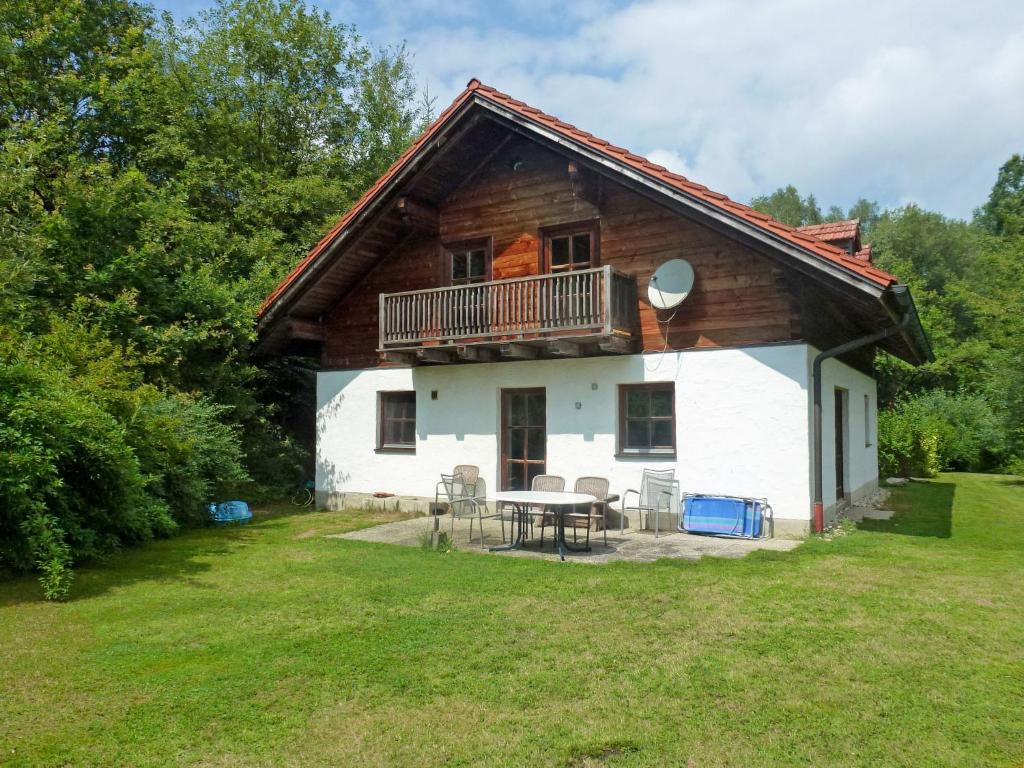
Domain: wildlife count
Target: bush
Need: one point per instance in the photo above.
(187, 454)
(906, 445)
(91, 459)
(51, 553)
(1015, 466)
(937, 430)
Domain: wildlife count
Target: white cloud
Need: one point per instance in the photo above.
(890, 100)
(670, 159)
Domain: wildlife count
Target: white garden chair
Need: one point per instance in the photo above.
(659, 491)
(460, 491)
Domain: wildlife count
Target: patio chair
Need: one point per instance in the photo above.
(598, 511)
(549, 484)
(470, 475)
(460, 489)
(659, 491)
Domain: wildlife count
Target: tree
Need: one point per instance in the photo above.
(156, 181)
(933, 255)
(868, 212)
(1003, 214)
(786, 205)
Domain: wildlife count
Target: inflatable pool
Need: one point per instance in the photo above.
(230, 512)
(724, 516)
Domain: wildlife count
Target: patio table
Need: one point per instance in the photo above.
(521, 502)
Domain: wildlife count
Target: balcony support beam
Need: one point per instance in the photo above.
(616, 344)
(400, 357)
(519, 351)
(475, 353)
(430, 355)
(567, 349)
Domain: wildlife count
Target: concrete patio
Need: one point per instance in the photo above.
(631, 546)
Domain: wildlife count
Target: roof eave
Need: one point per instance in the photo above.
(899, 301)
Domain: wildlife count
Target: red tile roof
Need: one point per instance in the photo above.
(864, 254)
(831, 231)
(476, 89)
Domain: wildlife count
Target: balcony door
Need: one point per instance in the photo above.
(469, 308)
(524, 437)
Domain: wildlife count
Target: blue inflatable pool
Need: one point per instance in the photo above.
(230, 512)
(724, 516)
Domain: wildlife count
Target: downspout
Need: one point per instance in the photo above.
(818, 508)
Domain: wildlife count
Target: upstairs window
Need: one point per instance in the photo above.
(470, 262)
(397, 421)
(570, 247)
(647, 419)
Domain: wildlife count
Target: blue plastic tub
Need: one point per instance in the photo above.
(230, 512)
(723, 516)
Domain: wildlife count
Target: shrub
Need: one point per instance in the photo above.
(91, 459)
(187, 454)
(51, 553)
(1015, 466)
(937, 430)
(906, 445)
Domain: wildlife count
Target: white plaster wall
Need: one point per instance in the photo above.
(861, 452)
(741, 418)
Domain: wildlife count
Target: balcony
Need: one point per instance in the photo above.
(568, 314)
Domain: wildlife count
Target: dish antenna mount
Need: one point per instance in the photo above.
(670, 284)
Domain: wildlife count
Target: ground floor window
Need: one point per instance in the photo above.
(396, 421)
(647, 419)
(867, 421)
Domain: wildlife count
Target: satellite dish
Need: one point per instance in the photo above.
(670, 284)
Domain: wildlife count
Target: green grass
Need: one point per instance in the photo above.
(899, 644)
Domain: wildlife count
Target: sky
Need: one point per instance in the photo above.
(893, 100)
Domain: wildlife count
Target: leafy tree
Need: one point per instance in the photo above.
(869, 213)
(1003, 214)
(156, 180)
(786, 205)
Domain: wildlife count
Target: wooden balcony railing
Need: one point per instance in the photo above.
(598, 302)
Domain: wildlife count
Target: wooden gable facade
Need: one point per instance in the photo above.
(495, 197)
(525, 191)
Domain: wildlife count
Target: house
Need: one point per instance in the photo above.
(486, 302)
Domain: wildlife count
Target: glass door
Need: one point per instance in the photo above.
(523, 437)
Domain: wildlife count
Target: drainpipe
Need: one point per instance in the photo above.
(818, 508)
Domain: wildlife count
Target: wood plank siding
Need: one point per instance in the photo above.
(740, 296)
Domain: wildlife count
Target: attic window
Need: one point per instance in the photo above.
(570, 247)
(470, 262)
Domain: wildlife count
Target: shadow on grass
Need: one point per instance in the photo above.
(180, 558)
(921, 509)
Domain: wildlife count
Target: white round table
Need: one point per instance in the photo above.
(521, 502)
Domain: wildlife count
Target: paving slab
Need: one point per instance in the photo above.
(630, 546)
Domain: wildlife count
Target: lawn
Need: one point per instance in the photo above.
(898, 644)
